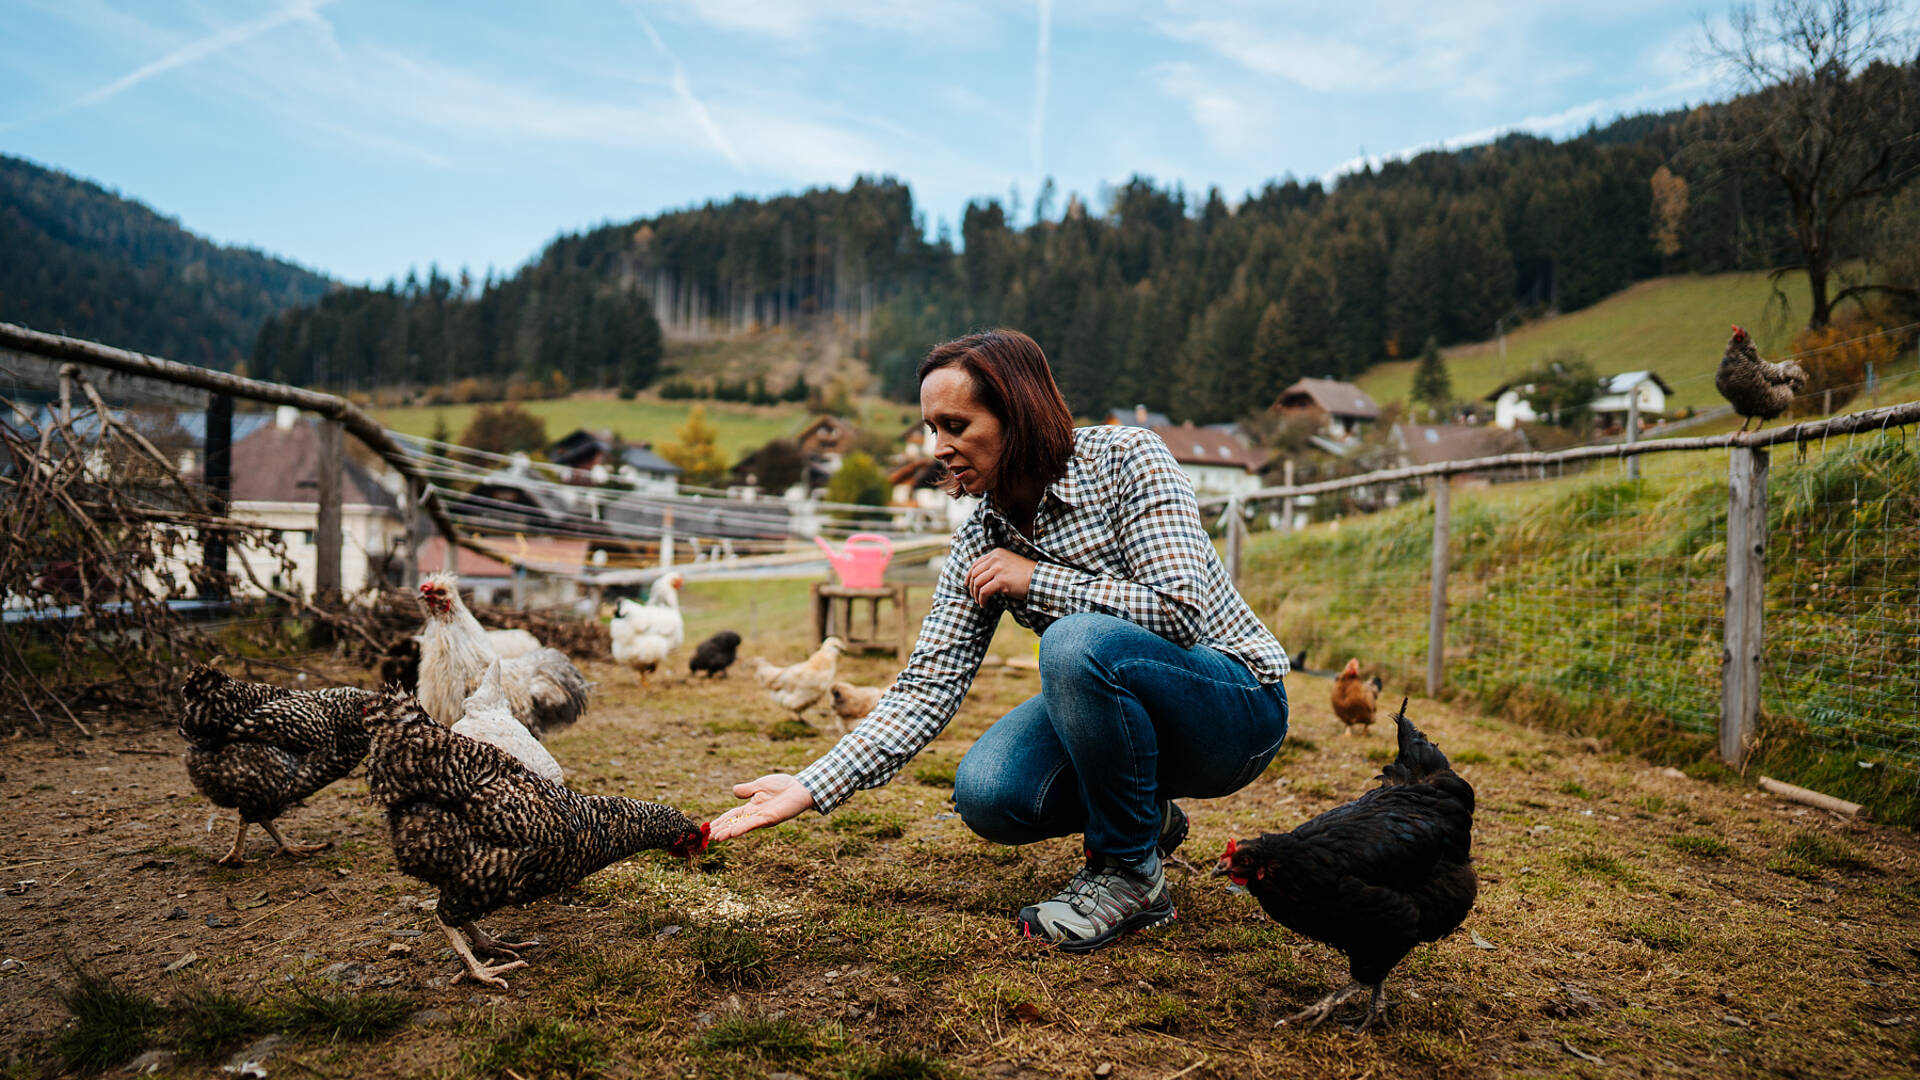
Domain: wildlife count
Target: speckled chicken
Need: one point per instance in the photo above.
(469, 819)
(1374, 877)
(1757, 389)
(260, 749)
(715, 655)
(543, 688)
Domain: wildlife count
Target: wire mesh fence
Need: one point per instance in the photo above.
(1599, 599)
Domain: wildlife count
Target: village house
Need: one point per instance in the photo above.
(1215, 459)
(1428, 444)
(276, 471)
(1343, 408)
(1510, 406)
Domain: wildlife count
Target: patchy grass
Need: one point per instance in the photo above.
(1809, 856)
(1670, 935)
(731, 957)
(771, 1040)
(535, 1048)
(789, 730)
(1700, 846)
(110, 1024)
(208, 1022)
(333, 1015)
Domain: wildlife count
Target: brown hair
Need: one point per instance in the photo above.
(1011, 378)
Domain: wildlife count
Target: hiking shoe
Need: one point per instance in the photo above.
(1104, 902)
(1173, 828)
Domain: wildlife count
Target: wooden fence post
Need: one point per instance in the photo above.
(1437, 603)
(1236, 536)
(217, 469)
(1746, 596)
(1286, 504)
(1633, 430)
(410, 561)
(327, 537)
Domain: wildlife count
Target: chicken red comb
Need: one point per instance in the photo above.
(1232, 846)
(1737, 330)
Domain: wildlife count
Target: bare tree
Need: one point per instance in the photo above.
(1829, 116)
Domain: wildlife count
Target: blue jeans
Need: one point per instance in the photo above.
(1123, 720)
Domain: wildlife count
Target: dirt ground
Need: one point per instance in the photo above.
(1631, 921)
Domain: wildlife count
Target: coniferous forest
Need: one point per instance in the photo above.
(78, 259)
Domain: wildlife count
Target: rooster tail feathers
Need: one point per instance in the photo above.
(1419, 759)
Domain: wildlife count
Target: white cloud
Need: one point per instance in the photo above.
(1229, 124)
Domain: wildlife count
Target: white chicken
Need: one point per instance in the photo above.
(513, 644)
(543, 688)
(645, 634)
(797, 688)
(488, 718)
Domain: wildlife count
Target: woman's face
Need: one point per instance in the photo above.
(968, 438)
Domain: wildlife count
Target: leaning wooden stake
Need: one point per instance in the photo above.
(1810, 797)
(1437, 602)
(1746, 598)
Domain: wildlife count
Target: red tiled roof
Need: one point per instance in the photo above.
(1207, 446)
(276, 464)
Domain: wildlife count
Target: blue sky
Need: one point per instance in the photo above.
(362, 137)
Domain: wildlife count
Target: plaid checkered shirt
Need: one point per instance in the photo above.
(1120, 534)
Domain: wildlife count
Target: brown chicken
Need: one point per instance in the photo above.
(1354, 699)
(852, 703)
(1757, 389)
(798, 687)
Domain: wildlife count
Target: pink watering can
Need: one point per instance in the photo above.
(862, 561)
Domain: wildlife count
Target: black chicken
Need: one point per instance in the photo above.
(715, 655)
(1372, 878)
(260, 749)
(400, 664)
(468, 818)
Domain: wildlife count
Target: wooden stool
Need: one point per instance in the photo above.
(833, 617)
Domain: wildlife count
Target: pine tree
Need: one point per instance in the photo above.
(1431, 386)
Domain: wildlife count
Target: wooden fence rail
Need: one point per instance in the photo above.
(338, 411)
(1743, 623)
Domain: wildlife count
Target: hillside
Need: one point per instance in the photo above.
(85, 261)
(739, 427)
(1676, 326)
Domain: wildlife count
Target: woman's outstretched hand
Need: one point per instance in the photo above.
(771, 800)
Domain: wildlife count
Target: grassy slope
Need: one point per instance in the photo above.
(1675, 326)
(1593, 603)
(648, 419)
